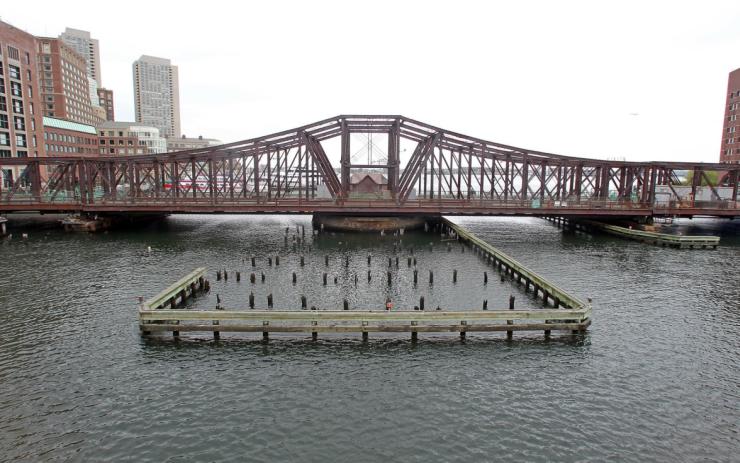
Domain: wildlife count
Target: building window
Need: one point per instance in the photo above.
(3, 121)
(20, 140)
(2, 82)
(15, 72)
(3, 104)
(22, 154)
(4, 153)
(15, 89)
(19, 123)
(17, 106)
(4, 139)
(13, 53)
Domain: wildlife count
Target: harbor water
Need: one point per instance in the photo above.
(655, 378)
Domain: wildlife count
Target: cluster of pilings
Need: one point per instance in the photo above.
(395, 263)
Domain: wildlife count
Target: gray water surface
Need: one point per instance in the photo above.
(655, 378)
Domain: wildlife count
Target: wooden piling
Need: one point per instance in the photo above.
(421, 303)
(251, 300)
(431, 277)
(238, 276)
(510, 334)
(269, 301)
(416, 277)
(302, 261)
(389, 279)
(269, 261)
(303, 302)
(277, 260)
(295, 278)
(454, 276)
(326, 260)
(252, 278)
(346, 304)
(324, 278)
(226, 275)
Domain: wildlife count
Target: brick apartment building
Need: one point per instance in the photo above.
(65, 89)
(67, 138)
(21, 125)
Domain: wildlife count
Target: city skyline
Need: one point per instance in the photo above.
(573, 84)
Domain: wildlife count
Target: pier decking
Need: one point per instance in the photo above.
(655, 238)
(561, 311)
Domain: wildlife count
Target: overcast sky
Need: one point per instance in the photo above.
(635, 80)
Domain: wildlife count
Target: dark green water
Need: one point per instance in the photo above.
(655, 379)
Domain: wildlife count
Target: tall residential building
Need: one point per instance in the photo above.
(184, 143)
(126, 138)
(64, 84)
(157, 94)
(105, 96)
(21, 124)
(89, 49)
(730, 147)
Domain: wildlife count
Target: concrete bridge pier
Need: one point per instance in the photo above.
(86, 222)
(370, 223)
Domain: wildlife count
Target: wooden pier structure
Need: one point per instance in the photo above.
(560, 310)
(643, 236)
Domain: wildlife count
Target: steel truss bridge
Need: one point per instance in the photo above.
(447, 173)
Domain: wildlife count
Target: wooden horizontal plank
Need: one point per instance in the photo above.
(234, 328)
(565, 298)
(344, 315)
(174, 289)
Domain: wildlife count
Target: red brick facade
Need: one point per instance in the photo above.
(21, 125)
(730, 147)
(69, 142)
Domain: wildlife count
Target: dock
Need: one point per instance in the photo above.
(560, 311)
(643, 236)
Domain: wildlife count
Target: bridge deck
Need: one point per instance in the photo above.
(378, 207)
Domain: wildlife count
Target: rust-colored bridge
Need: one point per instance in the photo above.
(290, 172)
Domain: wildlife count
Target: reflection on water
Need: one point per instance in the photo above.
(655, 378)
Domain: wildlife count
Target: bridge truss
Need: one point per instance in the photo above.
(290, 171)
